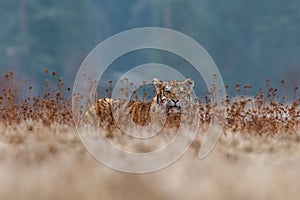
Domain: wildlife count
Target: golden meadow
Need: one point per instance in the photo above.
(42, 157)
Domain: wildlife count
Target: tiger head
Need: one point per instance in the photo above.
(173, 94)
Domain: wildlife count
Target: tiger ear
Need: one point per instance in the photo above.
(188, 83)
(157, 83)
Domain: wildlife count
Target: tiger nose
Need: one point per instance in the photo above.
(176, 103)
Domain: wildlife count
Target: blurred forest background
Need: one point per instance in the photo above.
(249, 40)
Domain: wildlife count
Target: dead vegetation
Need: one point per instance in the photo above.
(262, 114)
(42, 157)
(53, 105)
(265, 116)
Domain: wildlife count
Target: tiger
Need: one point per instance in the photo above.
(169, 99)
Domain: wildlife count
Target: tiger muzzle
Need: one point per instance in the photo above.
(174, 103)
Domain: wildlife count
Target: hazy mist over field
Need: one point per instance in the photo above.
(252, 101)
(42, 164)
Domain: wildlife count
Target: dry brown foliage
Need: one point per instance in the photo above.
(262, 114)
(52, 106)
(42, 156)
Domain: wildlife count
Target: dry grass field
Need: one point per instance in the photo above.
(42, 157)
(51, 163)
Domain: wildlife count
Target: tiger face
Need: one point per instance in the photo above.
(173, 94)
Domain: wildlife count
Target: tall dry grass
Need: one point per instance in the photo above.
(47, 163)
(42, 157)
(263, 114)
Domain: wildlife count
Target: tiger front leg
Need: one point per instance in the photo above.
(106, 125)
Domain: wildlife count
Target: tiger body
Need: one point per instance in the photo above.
(165, 107)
